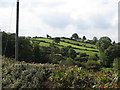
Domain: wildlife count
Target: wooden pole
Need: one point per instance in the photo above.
(17, 29)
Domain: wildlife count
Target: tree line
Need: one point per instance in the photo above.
(31, 51)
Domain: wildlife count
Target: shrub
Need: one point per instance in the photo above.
(71, 53)
(92, 57)
(57, 39)
(116, 63)
(81, 59)
(23, 75)
(29, 75)
(91, 64)
(83, 54)
(55, 58)
(73, 77)
(67, 62)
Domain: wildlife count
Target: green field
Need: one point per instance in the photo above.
(77, 42)
(84, 45)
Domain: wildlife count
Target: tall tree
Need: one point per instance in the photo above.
(57, 39)
(84, 38)
(72, 53)
(75, 36)
(103, 43)
(48, 36)
(25, 50)
(94, 40)
(112, 52)
(113, 43)
(8, 44)
(64, 50)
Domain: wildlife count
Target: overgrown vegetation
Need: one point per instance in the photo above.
(62, 62)
(51, 76)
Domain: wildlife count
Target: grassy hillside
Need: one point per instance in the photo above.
(78, 46)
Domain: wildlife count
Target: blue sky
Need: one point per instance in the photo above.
(62, 17)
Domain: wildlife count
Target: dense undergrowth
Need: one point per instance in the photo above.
(30, 75)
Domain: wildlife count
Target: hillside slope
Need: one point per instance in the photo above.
(78, 46)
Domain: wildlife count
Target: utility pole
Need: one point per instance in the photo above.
(17, 29)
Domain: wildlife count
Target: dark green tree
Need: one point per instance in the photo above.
(57, 39)
(64, 50)
(84, 38)
(54, 49)
(113, 43)
(103, 43)
(75, 36)
(37, 53)
(94, 40)
(72, 54)
(111, 53)
(48, 36)
(82, 54)
(25, 50)
(82, 57)
(8, 44)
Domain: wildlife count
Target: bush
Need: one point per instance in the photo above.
(83, 55)
(81, 59)
(55, 58)
(57, 39)
(80, 64)
(92, 57)
(73, 77)
(116, 63)
(23, 75)
(67, 62)
(72, 54)
(29, 75)
(91, 64)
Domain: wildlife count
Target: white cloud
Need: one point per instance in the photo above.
(62, 17)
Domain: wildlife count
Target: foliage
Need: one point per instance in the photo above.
(83, 54)
(29, 75)
(71, 53)
(73, 77)
(24, 75)
(84, 38)
(55, 58)
(113, 43)
(111, 53)
(103, 43)
(64, 50)
(116, 63)
(85, 47)
(75, 36)
(57, 39)
(94, 40)
(67, 62)
(93, 57)
(25, 50)
(48, 36)
(91, 64)
(8, 45)
(78, 78)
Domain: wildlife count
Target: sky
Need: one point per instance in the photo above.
(59, 18)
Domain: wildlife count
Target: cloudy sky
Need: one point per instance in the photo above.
(62, 17)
